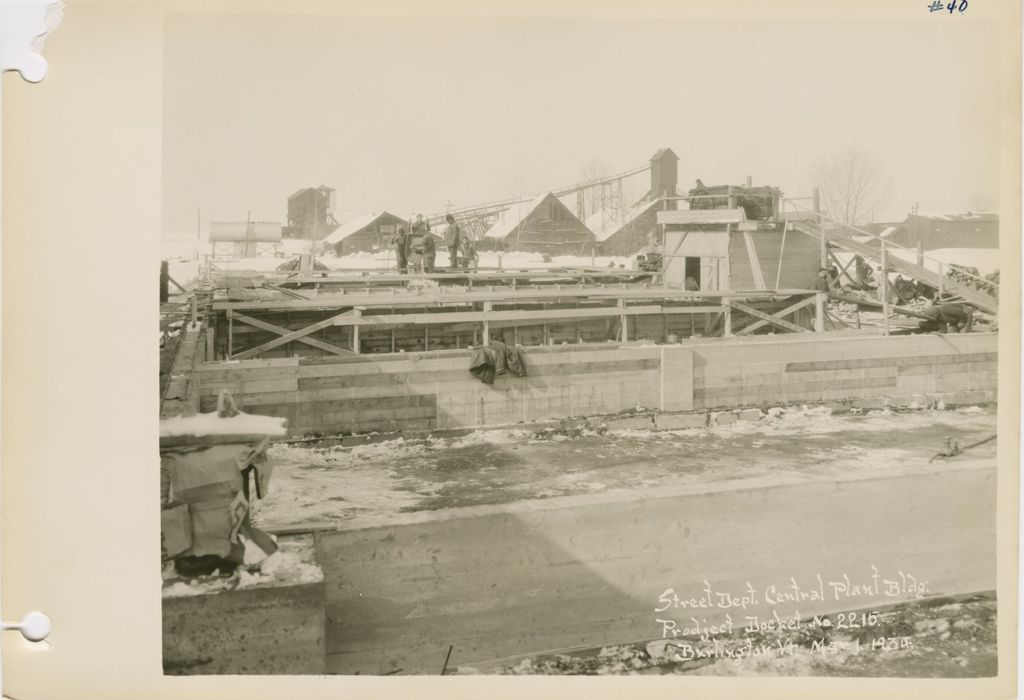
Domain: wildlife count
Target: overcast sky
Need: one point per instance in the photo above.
(406, 114)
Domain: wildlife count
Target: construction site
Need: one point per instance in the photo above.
(612, 434)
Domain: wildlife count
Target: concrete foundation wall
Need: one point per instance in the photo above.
(277, 630)
(434, 390)
(495, 582)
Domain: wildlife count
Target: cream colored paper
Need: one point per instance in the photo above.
(81, 234)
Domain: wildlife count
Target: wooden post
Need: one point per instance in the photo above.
(821, 224)
(819, 312)
(209, 343)
(355, 330)
(487, 324)
(885, 289)
(727, 319)
(624, 332)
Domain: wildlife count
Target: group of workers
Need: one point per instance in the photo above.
(417, 248)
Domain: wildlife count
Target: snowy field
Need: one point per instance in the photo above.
(349, 485)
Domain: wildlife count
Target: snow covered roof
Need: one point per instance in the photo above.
(353, 226)
(605, 224)
(513, 216)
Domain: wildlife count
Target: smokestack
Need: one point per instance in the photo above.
(664, 175)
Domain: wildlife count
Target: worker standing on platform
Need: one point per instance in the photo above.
(401, 250)
(452, 239)
(429, 252)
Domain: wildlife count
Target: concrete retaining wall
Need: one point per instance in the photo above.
(495, 582)
(276, 630)
(434, 390)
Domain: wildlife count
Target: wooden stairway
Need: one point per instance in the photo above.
(844, 237)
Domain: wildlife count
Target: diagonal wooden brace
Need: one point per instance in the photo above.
(288, 336)
(774, 319)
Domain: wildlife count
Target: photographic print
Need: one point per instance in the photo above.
(579, 346)
(671, 341)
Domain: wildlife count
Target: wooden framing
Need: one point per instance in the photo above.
(263, 325)
(288, 336)
(474, 312)
(774, 319)
(438, 297)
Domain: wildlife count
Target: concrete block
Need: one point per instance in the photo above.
(724, 418)
(751, 415)
(680, 421)
(630, 423)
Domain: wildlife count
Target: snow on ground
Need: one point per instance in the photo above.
(338, 484)
(293, 563)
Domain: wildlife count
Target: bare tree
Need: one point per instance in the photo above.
(593, 171)
(852, 185)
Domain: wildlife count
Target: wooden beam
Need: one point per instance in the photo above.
(700, 216)
(336, 301)
(774, 319)
(287, 292)
(290, 336)
(505, 317)
(281, 330)
(172, 281)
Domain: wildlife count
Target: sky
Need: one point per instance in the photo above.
(408, 114)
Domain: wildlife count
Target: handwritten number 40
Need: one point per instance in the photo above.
(953, 6)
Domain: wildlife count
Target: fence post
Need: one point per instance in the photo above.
(819, 312)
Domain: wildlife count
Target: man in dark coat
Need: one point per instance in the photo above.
(949, 318)
(452, 239)
(401, 252)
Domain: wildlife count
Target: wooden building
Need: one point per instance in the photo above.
(364, 233)
(542, 225)
(721, 250)
(938, 231)
(311, 213)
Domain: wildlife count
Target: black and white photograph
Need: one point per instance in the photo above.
(658, 343)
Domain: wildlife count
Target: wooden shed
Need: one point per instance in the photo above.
(365, 233)
(542, 225)
(721, 250)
